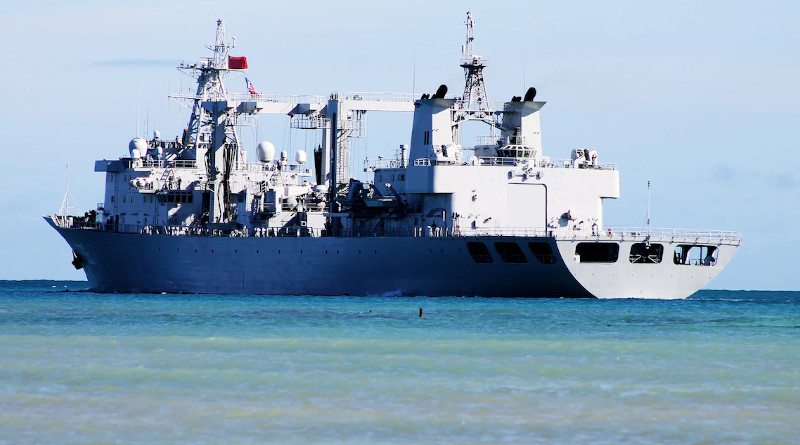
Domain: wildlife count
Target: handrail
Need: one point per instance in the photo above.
(614, 234)
(163, 163)
(495, 161)
(373, 96)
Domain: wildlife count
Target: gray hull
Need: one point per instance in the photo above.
(432, 266)
(121, 262)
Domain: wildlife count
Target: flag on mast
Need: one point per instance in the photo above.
(237, 63)
(251, 88)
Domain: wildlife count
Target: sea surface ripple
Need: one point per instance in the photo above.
(83, 367)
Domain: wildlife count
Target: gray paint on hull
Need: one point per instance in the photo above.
(120, 262)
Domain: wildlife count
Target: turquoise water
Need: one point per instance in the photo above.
(80, 367)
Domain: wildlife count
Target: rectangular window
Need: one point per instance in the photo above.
(597, 252)
(510, 252)
(642, 253)
(542, 252)
(696, 255)
(479, 252)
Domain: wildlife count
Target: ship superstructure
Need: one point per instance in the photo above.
(500, 218)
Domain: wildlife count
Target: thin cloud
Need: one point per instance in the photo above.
(135, 63)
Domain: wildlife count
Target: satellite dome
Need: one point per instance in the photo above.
(300, 157)
(265, 151)
(139, 144)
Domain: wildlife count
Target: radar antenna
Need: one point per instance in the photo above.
(474, 101)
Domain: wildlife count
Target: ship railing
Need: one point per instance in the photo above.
(566, 163)
(432, 231)
(373, 96)
(276, 98)
(374, 164)
(672, 235)
(500, 141)
(163, 163)
(543, 162)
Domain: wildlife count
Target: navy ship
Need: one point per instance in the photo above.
(500, 218)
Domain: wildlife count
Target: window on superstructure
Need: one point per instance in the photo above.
(510, 252)
(696, 255)
(642, 253)
(479, 252)
(597, 252)
(542, 252)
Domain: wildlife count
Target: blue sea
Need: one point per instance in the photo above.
(82, 367)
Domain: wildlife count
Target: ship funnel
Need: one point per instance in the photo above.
(530, 94)
(440, 92)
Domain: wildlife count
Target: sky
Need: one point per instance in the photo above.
(698, 97)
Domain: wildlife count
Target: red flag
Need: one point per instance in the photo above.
(237, 63)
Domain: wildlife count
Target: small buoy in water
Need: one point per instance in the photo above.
(420, 312)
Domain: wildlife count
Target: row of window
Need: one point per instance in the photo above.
(511, 252)
(640, 253)
(171, 197)
(647, 253)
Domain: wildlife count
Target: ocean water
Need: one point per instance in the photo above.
(81, 367)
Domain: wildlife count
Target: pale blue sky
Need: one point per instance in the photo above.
(700, 97)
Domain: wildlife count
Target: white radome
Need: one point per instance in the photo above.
(265, 151)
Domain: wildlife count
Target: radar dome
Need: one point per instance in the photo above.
(265, 151)
(300, 157)
(138, 144)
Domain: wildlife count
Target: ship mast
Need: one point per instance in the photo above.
(211, 136)
(647, 239)
(209, 73)
(68, 202)
(474, 103)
